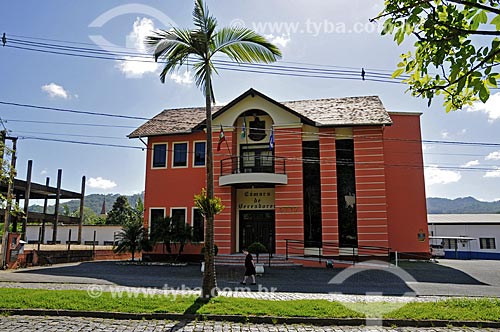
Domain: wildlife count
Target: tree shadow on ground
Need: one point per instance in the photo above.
(191, 311)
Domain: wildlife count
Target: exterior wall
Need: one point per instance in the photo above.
(329, 210)
(390, 200)
(371, 197)
(289, 198)
(406, 205)
(173, 187)
(103, 233)
(468, 250)
(224, 223)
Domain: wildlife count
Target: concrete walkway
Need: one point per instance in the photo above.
(423, 280)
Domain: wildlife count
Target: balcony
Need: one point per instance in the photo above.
(250, 169)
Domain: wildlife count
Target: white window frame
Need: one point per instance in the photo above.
(149, 221)
(153, 155)
(488, 238)
(192, 222)
(194, 152)
(180, 208)
(187, 154)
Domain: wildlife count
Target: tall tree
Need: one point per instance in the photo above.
(456, 50)
(121, 213)
(199, 45)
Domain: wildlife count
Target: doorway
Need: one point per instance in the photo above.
(257, 226)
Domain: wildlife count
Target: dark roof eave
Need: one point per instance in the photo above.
(162, 134)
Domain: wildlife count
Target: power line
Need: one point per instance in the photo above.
(353, 69)
(226, 65)
(284, 131)
(73, 111)
(69, 123)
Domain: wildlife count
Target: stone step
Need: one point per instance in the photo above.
(239, 260)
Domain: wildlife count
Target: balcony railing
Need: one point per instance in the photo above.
(252, 164)
(250, 169)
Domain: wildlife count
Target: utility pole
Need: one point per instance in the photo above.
(10, 185)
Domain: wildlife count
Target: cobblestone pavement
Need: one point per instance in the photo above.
(72, 324)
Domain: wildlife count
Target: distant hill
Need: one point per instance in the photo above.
(93, 201)
(437, 205)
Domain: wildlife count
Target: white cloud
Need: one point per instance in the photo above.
(493, 174)
(280, 41)
(54, 90)
(471, 163)
(493, 156)
(44, 172)
(491, 107)
(445, 134)
(135, 67)
(183, 79)
(434, 175)
(100, 183)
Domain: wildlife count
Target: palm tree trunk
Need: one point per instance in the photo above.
(209, 281)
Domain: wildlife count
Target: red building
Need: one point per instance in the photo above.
(335, 176)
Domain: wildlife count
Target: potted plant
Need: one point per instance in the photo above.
(257, 248)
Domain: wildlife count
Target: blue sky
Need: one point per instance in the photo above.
(318, 33)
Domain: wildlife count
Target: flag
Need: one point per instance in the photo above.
(244, 128)
(222, 138)
(271, 139)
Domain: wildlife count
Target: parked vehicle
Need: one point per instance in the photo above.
(437, 250)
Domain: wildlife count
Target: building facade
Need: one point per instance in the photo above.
(329, 176)
(466, 236)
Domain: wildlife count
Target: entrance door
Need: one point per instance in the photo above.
(257, 226)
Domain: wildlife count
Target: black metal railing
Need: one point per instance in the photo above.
(252, 164)
(332, 250)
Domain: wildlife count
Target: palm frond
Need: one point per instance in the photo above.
(244, 45)
(203, 20)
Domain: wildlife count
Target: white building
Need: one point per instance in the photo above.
(466, 236)
(104, 234)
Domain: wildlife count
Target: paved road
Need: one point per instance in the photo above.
(447, 278)
(72, 324)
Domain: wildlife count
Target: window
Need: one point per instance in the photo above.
(178, 215)
(155, 216)
(450, 243)
(198, 226)
(487, 243)
(180, 155)
(159, 155)
(199, 153)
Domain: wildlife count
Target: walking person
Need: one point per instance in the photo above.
(249, 268)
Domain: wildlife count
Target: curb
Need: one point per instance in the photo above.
(252, 319)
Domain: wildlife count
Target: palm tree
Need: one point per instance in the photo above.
(132, 238)
(199, 45)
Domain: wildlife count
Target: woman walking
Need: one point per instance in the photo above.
(249, 268)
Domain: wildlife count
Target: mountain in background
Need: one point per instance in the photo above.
(461, 205)
(435, 205)
(93, 201)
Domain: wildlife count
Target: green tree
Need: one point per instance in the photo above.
(121, 212)
(200, 45)
(132, 238)
(171, 232)
(161, 233)
(456, 50)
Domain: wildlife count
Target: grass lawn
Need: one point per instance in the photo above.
(455, 309)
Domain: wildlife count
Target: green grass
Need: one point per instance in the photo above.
(455, 309)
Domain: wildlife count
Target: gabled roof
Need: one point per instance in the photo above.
(331, 112)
